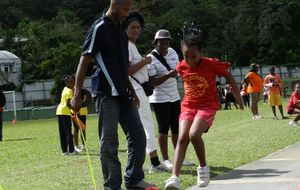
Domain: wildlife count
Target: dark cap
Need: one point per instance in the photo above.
(254, 66)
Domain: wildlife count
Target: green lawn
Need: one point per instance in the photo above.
(30, 156)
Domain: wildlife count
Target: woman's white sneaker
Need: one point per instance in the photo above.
(167, 164)
(203, 177)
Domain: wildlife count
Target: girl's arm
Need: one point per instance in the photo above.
(235, 90)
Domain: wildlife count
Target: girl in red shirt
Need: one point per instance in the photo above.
(199, 104)
(293, 106)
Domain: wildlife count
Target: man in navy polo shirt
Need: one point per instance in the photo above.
(107, 44)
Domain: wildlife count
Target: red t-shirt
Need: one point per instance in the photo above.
(200, 83)
(292, 101)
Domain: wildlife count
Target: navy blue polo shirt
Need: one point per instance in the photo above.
(107, 42)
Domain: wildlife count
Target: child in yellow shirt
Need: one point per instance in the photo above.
(63, 113)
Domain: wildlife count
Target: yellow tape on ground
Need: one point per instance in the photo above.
(81, 127)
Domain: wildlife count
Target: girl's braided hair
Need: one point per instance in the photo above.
(191, 36)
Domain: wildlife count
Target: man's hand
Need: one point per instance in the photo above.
(76, 103)
(136, 101)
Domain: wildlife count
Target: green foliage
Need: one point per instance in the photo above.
(267, 32)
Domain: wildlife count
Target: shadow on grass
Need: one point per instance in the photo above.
(122, 150)
(214, 171)
(237, 174)
(92, 152)
(21, 139)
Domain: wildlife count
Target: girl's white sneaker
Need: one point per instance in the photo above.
(203, 177)
(173, 183)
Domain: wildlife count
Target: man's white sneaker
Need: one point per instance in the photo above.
(156, 169)
(203, 177)
(173, 183)
(168, 165)
(294, 123)
(187, 163)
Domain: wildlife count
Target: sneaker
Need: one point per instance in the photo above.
(294, 123)
(256, 117)
(187, 163)
(77, 149)
(173, 183)
(203, 177)
(140, 185)
(156, 169)
(168, 165)
(82, 148)
(259, 116)
(64, 153)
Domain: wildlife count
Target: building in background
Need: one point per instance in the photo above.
(10, 68)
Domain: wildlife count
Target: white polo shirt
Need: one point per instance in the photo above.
(167, 91)
(134, 58)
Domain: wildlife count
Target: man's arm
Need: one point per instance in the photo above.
(82, 68)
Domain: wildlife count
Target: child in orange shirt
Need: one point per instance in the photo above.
(273, 83)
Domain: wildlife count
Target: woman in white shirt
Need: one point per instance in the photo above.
(165, 99)
(138, 75)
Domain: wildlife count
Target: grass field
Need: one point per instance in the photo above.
(30, 156)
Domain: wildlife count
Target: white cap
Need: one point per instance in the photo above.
(162, 34)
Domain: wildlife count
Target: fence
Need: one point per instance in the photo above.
(38, 93)
(35, 94)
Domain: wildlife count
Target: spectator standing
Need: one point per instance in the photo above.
(63, 113)
(244, 94)
(165, 99)
(107, 44)
(255, 85)
(273, 83)
(133, 25)
(2, 104)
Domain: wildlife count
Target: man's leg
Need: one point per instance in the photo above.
(108, 125)
(136, 139)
